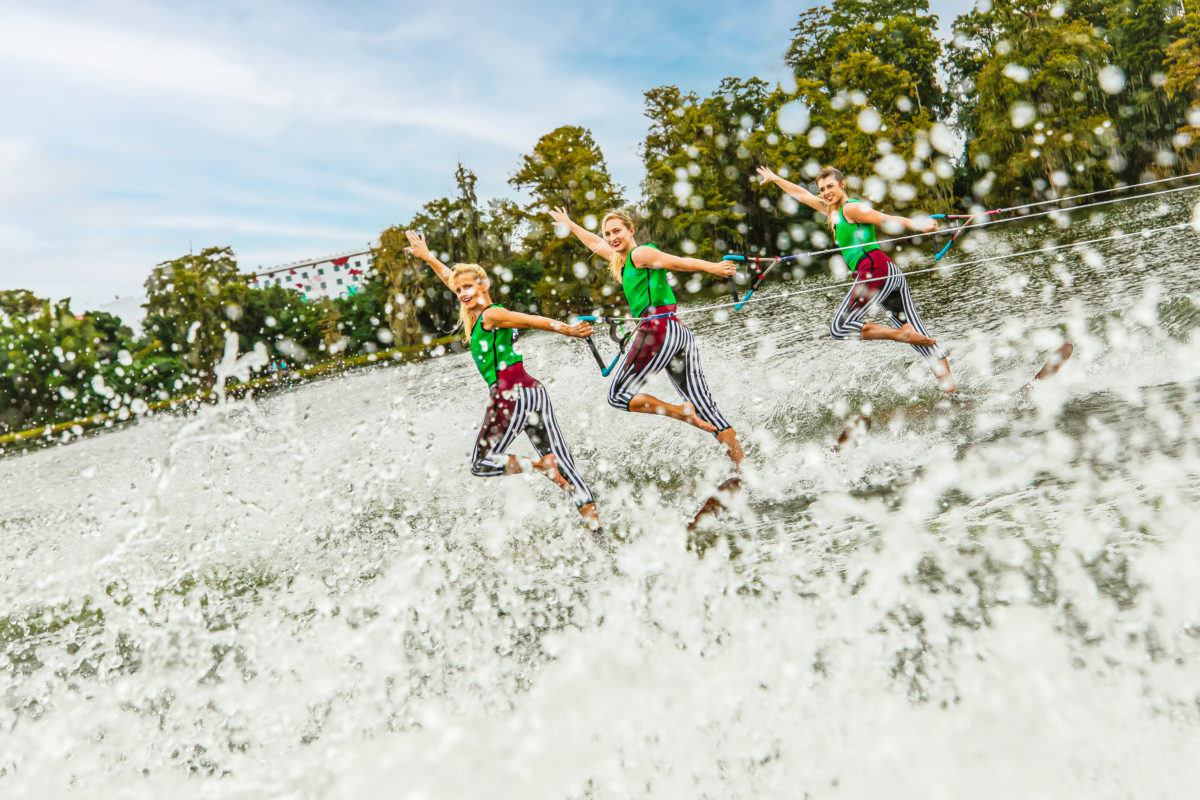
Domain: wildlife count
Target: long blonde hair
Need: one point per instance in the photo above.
(616, 264)
(464, 314)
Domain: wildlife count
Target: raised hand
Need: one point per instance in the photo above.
(723, 269)
(416, 245)
(560, 217)
(767, 175)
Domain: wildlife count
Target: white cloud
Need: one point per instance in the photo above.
(115, 58)
(228, 225)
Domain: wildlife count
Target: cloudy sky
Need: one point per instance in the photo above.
(135, 130)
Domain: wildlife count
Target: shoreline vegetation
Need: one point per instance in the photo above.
(255, 388)
(1024, 102)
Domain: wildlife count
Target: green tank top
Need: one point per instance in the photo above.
(645, 287)
(492, 350)
(858, 237)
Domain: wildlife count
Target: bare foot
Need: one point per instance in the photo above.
(941, 371)
(591, 516)
(733, 448)
(910, 335)
(689, 416)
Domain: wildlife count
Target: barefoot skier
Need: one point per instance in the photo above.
(518, 403)
(661, 341)
(878, 279)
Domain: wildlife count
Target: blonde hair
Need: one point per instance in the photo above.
(464, 315)
(616, 264)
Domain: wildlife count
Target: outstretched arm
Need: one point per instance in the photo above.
(596, 244)
(652, 258)
(860, 212)
(795, 190)
(503, 318)
(418, 248)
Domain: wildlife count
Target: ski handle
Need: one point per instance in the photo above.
(761, 265)
(614, 334)
(970, 218)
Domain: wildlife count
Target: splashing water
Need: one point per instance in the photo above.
(309, 596)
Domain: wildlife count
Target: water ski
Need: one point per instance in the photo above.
(716, 501)
(1055, 362)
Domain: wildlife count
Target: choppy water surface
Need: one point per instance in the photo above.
(310, 596)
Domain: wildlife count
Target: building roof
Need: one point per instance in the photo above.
(310, 262)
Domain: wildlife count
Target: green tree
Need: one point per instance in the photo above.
(191, 302)
(21, 303)
(894, 40)
(405, 284)
(1182, 83)
(566, 168)
(280, 318)
(58, 366)
(1040, 125)
(363, 319)
(1147, 115)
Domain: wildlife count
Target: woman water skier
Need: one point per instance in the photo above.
(878, 278)
(662, 342)
(518, 402)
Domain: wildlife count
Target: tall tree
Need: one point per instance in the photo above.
(192, 301)
(566, 168)
(407, 286)
(1182, 82)
(896, 39)
(1147, 115)
(1031, 104)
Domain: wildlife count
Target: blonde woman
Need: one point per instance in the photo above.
(518, 403)
(877, 278)
(661, 340)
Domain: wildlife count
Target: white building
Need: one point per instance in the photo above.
(341, 275)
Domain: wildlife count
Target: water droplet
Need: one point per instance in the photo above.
(869, 120)
(1112, 79)
(943, 139)
(1022, 114)
(1016, 72)
(793, 117)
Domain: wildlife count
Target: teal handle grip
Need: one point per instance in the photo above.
(944, 250)
(606, 371)
(732, 257)
(588, 318)
(738, 305)
(937, 216)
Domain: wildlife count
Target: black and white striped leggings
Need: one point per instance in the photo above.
(880, 282)
(524, 408)
(665, 343)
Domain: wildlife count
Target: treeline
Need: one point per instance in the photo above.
(1030, 99)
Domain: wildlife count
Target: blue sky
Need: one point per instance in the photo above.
(133, 130)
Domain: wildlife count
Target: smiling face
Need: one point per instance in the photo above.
(472, 291)
(618, 234)
(832, 190)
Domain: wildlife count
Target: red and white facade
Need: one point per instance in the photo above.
(335, 276)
